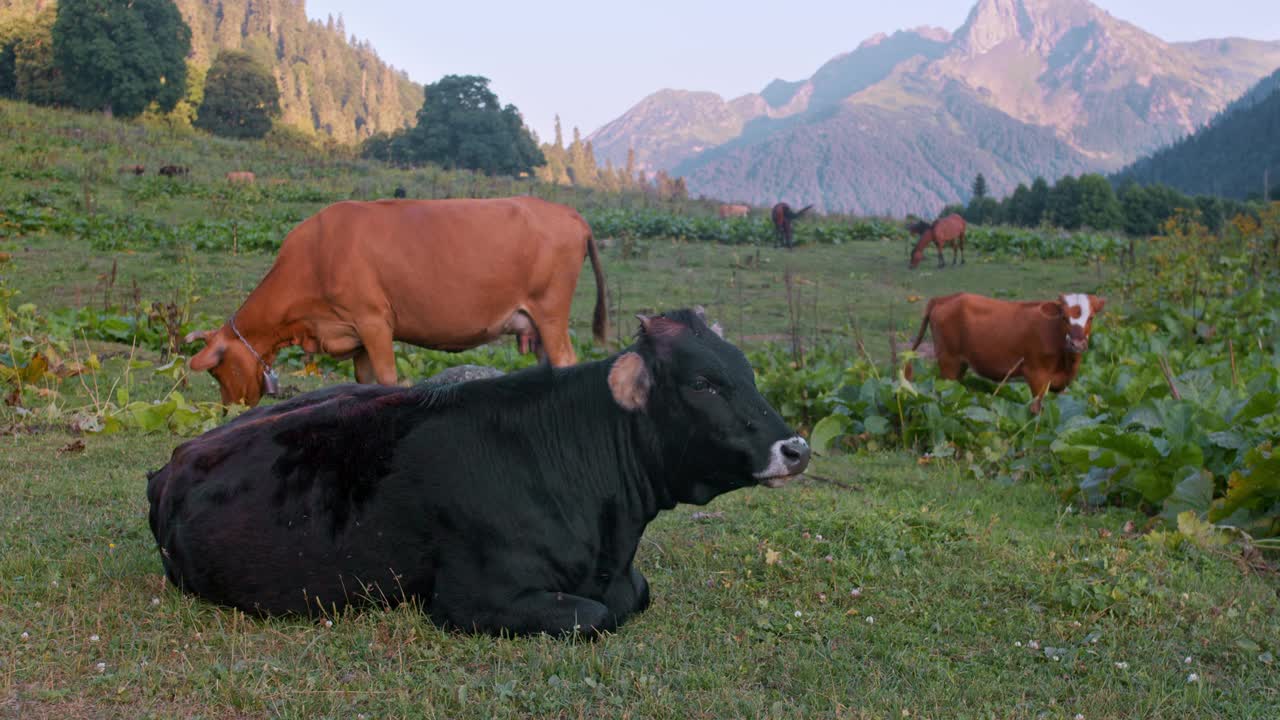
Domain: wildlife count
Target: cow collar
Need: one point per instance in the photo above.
(269, 377)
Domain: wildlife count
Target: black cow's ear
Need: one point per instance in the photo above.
(630, 382)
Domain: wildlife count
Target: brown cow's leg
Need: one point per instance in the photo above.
(554, 336)
(941, 260)
(1039, 388)
(960, 244)
(376, 340)
(950, 367)
(364, 367)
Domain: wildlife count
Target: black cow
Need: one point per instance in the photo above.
(513, 504)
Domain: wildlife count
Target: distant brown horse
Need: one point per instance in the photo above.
(174, 170)
(132, 169)
(728, 211)
(783, 216)
(943, 231)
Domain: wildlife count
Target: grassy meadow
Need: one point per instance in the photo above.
(886, 583)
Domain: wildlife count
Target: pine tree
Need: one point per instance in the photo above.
(979, 190)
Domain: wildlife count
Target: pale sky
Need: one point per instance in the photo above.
(591, 61)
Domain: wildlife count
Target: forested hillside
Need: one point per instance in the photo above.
(1237, 155)
(329, 83)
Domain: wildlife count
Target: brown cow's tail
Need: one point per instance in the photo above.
(600, 323)
(924, 328)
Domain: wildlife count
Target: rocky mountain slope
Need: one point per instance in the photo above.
(904, 122)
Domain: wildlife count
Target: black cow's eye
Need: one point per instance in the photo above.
(701, 384)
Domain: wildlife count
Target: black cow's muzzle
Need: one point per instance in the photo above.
(786, 458)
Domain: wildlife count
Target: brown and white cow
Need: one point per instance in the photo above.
(1041, 342)
(731, 211)
(240, 176)
(443, 274)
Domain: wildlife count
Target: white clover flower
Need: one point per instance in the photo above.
(871, 619)
(1017, 643)
(1186, 660)
(1193, 678)
(1034, 644)
(1079, 716)
(1122, 665)
(856, 592)
(155, 601)
(102, 667)
(25, 636)
(798, 613)
(329, 624)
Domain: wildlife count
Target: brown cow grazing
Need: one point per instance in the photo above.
(728, 211)
(943, 231)
(241, 176)
(1040, 342)
(443, 274)
(783, 216)
(174, 170)
(132, 169)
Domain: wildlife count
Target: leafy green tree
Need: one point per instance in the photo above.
(461, 125)
(1098, 207)
(1064, 203)
(27, 71)
(121, 55)
(241, 97)
(1037, 203)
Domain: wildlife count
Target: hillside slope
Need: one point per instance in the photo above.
(329, 83)
(1235, 156)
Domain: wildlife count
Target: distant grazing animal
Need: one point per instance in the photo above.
(240, 176)
(943, 231)
(443, 274)
(1040, 342)
(728, 211)
(400, 192)
(507, 505)
(132, 169)
(783, 216)
(174, 170)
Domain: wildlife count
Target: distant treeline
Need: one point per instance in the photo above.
(1090, 201)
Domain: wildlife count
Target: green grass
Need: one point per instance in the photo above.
(866, 285)
(955, 574)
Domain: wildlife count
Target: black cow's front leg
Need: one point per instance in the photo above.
(540, 611)
(627, 594)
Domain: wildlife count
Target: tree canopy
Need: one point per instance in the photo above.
(241, 97)
(121, 55)
(462, 125)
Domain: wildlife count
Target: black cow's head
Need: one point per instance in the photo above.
(716, 431)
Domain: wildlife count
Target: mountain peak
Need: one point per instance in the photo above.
(1034, 23)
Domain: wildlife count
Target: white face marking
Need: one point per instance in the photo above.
(773, 475)
(1082, 302)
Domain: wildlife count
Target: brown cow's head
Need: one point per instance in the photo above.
(1076, 312)
(238, 372)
